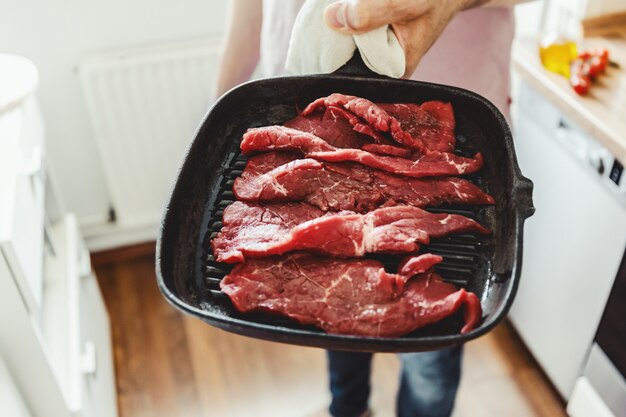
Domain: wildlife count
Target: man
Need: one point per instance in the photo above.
(465, 43)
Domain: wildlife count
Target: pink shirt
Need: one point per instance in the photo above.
(473, 52)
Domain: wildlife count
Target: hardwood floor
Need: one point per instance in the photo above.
(169, 364)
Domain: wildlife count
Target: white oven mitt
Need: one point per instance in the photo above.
(316, 48)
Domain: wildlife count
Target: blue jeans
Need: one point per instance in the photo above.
(428, 382)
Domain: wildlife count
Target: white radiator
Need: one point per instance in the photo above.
(144, 105)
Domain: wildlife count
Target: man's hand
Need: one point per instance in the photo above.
(416, 23)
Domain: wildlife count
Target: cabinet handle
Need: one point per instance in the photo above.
(33, 165)
(89, 359)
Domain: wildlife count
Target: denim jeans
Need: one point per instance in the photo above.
(428, 382)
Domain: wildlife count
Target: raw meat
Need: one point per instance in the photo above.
(254, 225)
(431, 122)
(257, 231)
(277, 176)
(433, 164)
(335, 126)
(356, 297)
(426, 127)
(329, 126)
(383, 149)
(261, 139)
(373, 116)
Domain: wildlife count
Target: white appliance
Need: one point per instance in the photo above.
(574, 243)
(601, 390)
(54, 328)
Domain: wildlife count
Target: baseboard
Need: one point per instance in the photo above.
(122, 254)
(101, 235)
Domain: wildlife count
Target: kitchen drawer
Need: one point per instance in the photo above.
(11, 400)
(98, 380)
(22, 192)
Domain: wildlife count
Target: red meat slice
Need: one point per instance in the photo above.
(335, 126)
(356, 297)
(276, 176)
(254, 231)
(434, 164)
(372, 114)
(251, 226)
(329, 126)
(431, 122)
(261, 139)
(389, 150)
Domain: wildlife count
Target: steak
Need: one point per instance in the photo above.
(334, 129)
(426, 127)
(355, 297)
(263, 139)
(431, 122)
(342, 129)
(246, 225)
(276, 176)
(372, 115)
(254, 231)
(383, 149)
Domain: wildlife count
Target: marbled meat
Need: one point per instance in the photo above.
(279, 176)
(255, 231)
(350, 296)
(432, 164)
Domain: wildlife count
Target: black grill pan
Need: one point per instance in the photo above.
(490, 266)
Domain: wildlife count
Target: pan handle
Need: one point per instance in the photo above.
(355, 67)
(525, 197)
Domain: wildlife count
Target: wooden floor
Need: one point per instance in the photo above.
(172, 365)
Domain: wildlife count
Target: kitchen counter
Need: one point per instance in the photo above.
(602, 113)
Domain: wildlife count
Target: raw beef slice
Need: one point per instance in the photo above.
(426, 127)
(433, 164)
(356, 297)
(342, 129)
(431, 122)
(277, 176)
(326, 125)
(372, 115)
(254, 231)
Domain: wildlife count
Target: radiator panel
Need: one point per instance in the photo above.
(144, 106)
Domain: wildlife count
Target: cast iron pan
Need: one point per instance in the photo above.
(489, 266)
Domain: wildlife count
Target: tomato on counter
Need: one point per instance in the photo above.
(590, 64)
(561, 56)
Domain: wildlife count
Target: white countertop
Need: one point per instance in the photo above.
(602, 113)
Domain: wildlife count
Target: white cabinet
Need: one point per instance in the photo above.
(54, 328)
(22, 190)
(98, 391)
(573, 244)
(11, 402)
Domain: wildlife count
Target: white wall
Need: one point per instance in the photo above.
(55, 34)
(528, 17)
(600, 7)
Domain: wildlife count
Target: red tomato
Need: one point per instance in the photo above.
(580, 83)
(602, 54)
(596, 66)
